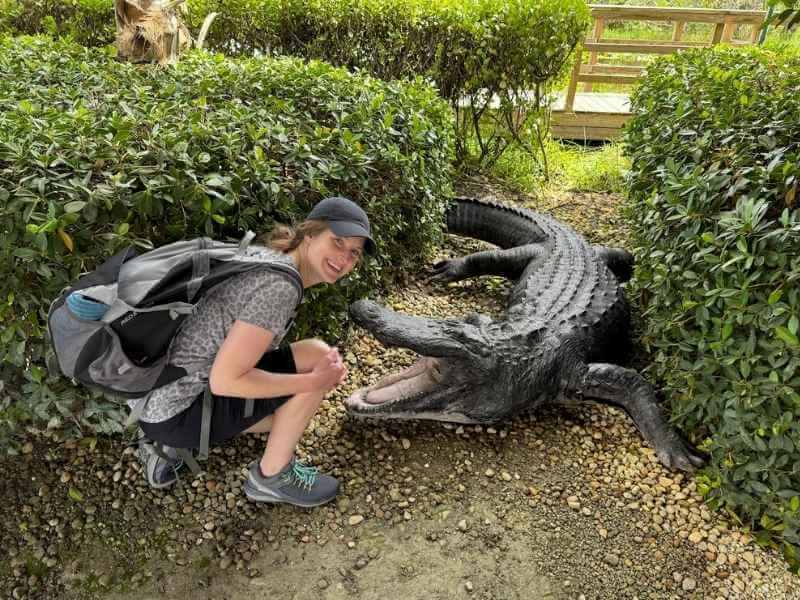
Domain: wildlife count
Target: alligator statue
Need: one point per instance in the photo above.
(566, 319)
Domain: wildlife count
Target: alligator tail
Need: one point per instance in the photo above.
(498, 224)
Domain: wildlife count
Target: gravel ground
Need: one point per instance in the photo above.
(566, 503)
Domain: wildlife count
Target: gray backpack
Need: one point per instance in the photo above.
(112, 328)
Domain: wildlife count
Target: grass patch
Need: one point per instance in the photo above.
(779, 40)
(35, 566)
(573, 167)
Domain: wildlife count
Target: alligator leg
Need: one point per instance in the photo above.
(507, 263)
(619, 261)
(625, 388)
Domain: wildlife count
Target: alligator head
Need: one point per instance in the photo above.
(471, 370)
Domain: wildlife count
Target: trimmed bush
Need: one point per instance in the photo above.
(88, 22)
(478, 52)
(96, 155)
(715, 148)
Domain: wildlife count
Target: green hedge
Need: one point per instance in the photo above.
(715, 149)
(96, 154)
(472, 49)
(88, 22)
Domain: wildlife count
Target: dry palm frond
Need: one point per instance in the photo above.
(153, 31)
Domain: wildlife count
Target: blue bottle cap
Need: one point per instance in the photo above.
(86, 308)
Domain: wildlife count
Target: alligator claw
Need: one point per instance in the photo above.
(448, 270)
(680, 454)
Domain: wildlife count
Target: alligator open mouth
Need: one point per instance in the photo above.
(421, 391)
(421, 378)
(437, 385)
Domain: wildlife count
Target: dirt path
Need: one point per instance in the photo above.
(567, 503)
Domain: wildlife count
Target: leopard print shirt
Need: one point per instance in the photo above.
(263, 298)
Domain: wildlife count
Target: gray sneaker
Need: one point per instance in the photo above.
(296, 484)
(160, 472)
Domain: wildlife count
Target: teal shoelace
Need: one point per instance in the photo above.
(301, 475)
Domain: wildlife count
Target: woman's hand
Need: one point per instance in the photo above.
(329, 371)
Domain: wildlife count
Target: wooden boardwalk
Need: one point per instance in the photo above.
(600, 116)
(594, 116)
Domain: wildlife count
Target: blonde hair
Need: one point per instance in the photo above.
(284, 238)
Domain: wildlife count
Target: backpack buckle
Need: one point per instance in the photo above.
(243, 245)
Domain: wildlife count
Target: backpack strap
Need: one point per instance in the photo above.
(201, 266)
(185, 454)
(137, 411)
(205, 423)
(120, 307)
(292, 273)
(187, 457)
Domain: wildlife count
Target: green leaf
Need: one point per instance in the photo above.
(727, 329)
(25, 253)
(744, 368)
(88, 441)
(787, 336)
(75, 495)
(775, 296)
(74, 206)
(216, 181)
(793, 323)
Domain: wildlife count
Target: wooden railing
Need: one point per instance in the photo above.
(725, 23)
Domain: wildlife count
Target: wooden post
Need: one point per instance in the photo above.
(569, 101)
(756, 31)
(599, 29)
(677, 33)
(718, 28)
(727, 31)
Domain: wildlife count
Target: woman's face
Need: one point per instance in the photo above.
(331, 256)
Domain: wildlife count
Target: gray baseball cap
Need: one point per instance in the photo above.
(345, 218)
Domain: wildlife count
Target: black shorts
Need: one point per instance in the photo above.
(227, 417)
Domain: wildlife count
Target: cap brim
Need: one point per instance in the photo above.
(350, 229)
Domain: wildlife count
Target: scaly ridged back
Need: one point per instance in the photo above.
(567, 285)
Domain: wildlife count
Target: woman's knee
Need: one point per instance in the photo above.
(308, 352)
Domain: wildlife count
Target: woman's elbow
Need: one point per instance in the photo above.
(219, 384)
